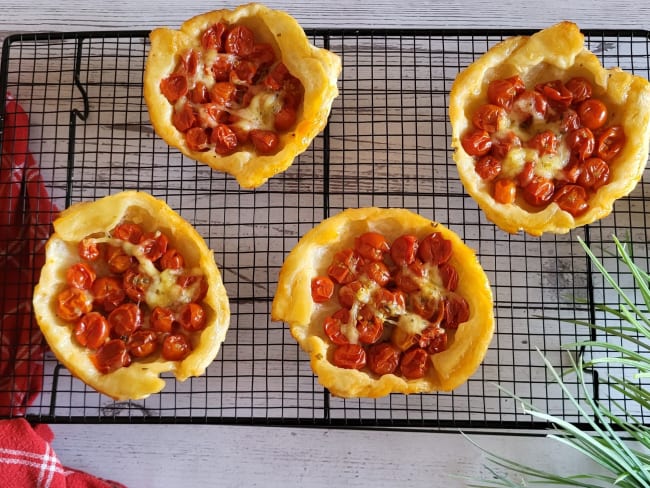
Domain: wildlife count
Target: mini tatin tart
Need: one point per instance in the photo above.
(241, 90)
(130, 290)
(545, 138)
(386, 301)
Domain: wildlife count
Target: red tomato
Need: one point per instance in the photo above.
(449, 276)
(224, 139)
(369, 326)
(592, 113)
(539, 191)
(425, 306)
(117, 259)
(162, 319)
(530, 104)
(435, 249)
(348, 293)
(199, 94)
(389, 303)
(581, 142)
(184, 119)
(526, 174)
(489, 117)
(285, 118)
(136, 284)
(243, 72)
(128, 231)
(544, 142)
(174, 87)
(345, 266)
(111, 356)
(92, 330)
(456, 312)
(556, 92)
(192, 317)
(263, 54)
(221, 68)
(213, 37)
(142, 343)
(196, 139)
(265, 141)
(322, 288)
(383, 358)
(108, 292)
(569, 121)
(371, 246)
(487, 167)
(610, 142)
(88, 249)
(332, 326)
(414, 363)
(80, 276)
(503, 92)
(349, 356)
(594, 173)
(503, 144)
(175, 347)
(433, 340)
(377, 272)
(172, 259)
(572, 199)
(406, 278)
(276, 77)
(153, 245)
(223, 93)
(580, 88)
(404, 250)
(504, 191)
(476, 142)
(72, 303)
(125, 319)
(240, 40)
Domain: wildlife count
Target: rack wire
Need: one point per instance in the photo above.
(387, 144)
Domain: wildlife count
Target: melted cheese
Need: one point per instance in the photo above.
(260, 113)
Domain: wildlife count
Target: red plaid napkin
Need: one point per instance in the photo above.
(25, 216)
(27, 459)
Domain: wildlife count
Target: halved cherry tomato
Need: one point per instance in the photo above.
(435, 249)
(449, 276)
(108, 292)
(581, 142)
(184, 119)
(580, 88)
(92, 330)
(544, 142)
(414, 363)
(243, 72)
(111, 356)
(407, 277)
(136, 284)
(332, 326)
(369, 326)
(127, 231)
(539, 191)
(349, 356)
(572, 199)
(276, 77)
(569, 121)
(174, 87)
(556, 92)
(505, 190)
(371, 246)
(265, 141)
(213, 37)
(221, 68)
(593, 113)
(489, 117)
(377, 272)
(80, 276)
(153, 245)
(526, 174)
(322, 288)
(196, 139)
(389, 303)
(502, 144)
(197, 284)
(610, 142)
(72, 303)
(383, 358)
(488, 167)
(199, 94)
(224, 139)
(172, 259)
(175, 347)
(162, 319)
(476, 142)
(88, 249)
(240, 40)
(142, 343)
(594, 173)
(456, 311)
(117, 259)
(192, 317)
(125, 319)
(349, 293)
(502, 92)
(433, 340)
(404, 249)
(285, 118)
(345, 266)
(223, 93)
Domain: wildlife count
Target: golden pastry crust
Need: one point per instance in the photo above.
(310, 257)
(316, 68)
(142, 377)
(557, 52)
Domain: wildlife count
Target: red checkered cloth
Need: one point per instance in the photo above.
(26, 213)
(28, 460)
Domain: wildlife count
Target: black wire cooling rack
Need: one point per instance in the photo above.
(387, 144)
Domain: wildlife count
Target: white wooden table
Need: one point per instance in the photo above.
(200, 455)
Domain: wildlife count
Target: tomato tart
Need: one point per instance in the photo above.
(129, 291)
(546, 139)
(386, 301)
(241, 90)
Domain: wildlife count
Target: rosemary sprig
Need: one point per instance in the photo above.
(603, 442)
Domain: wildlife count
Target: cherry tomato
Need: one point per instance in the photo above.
(213, 37)
(125, 319)
(111, 356)
(425, 306)
(197, 285)
(174, 87)
(503, 92)
(276, 77)
(435, 249)
(456, 311)
(504, 191)
(240, 40)
(345, 266)
(581, 142)
(383, 358)
(572, 199)
(580, 88)
(224, 139)
(592, 113)
(407, 278)
(526, 174)
(530, 104)
(184, 119)
(332, 326)
(503, 144)
(285, 118)
(142, 343)
(544, 142)
(488, 167)
(569, 121)
(162, 319)
(377, 272)
(349, 356)
(414, 363)
(433, 340)
(389, 303)
(571, 171)
(72, 303)
(199, 94)
(197, 139)
(265, 141)
(192, 317)
(449, 276)
(610, 142)
(263, 54)
(322, 288)
(539, 191)
(92, 330)
(404, 250)
(369, 326)
(117, 259)
(556, 92)
(221, 68)
(80, 276)
(128, 231)
(594, 173)
(108, 292)
(188, 63)
(136, 284)
(489, 117)
(371, 246)
(402, 340)
(476, 142)
(223, 93)
(348, 293)
(175, 347)
(153, 245)
(172, 259)
(292, 92)
(88, 249)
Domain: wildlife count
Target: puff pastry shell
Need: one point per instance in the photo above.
(310, 257)
(317, 69)
(557, 52)
(142, 377)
